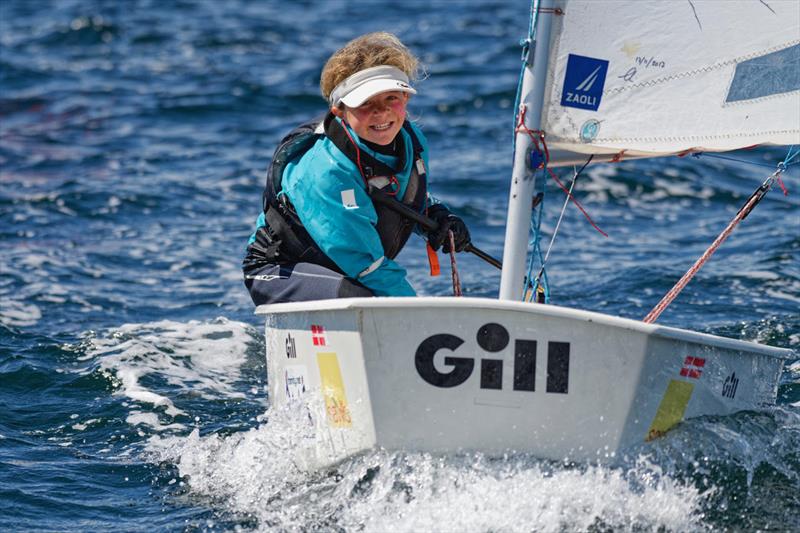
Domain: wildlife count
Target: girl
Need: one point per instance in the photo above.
(320, 235)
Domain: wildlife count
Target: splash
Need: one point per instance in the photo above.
(260, 474)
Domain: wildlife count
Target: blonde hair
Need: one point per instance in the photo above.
(370, 50)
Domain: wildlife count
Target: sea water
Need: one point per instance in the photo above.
(133, 140)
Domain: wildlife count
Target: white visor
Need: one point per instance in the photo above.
(363, 85)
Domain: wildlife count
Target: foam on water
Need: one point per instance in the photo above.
(173, 358)
(259, 474)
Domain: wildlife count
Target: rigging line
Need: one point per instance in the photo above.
(790, 156)
(577, 203)
(543, 149)
(526, 47)
(575, 175)
(756, 197)
(717, 156)
(793, 152)
(536, 252)
(541, 287)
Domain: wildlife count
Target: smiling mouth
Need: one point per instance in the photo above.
(382, 127)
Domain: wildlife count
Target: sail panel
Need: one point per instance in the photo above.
(775, 73)
(643, 78)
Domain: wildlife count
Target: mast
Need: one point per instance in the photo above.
(522, 182)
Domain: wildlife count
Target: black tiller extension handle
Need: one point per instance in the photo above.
(427, 223)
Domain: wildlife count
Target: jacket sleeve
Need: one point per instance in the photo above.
(329, 198)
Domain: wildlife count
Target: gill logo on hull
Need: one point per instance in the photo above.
(493, 338)
(730, 385)
(291, 347)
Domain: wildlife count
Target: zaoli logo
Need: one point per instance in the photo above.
(584, 82)
(587, 84)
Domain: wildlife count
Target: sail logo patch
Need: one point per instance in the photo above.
(692, 367)
(584, 82)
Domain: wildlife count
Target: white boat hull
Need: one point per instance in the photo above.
(468, 374)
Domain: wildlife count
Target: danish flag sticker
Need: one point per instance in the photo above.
(318, 335)
(692, 367)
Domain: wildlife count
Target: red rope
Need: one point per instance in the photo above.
(535, 135)
(577, 203)
(783, 187)
(538, 135)
(653, 315)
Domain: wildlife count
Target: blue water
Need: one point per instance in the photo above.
(133, 138)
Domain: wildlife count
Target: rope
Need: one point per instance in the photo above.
(756, 197)
(453, 268)
(793, 152)
(537, 136)
(577, 203)
(541, 287)
(526, 48)
(540, 292)
(563, 210)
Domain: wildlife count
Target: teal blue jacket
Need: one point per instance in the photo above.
(330, 198)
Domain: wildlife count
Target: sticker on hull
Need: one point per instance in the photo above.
(318, 335)
(730, 385)
(671, 409)
(492, 338)
(336, 406)
(693, 367)
(291, 347)
(295, 381)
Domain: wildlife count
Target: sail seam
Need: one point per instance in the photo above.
(595, 142)
(760, 98)
(717, 66)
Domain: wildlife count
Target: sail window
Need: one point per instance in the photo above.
(775, 73)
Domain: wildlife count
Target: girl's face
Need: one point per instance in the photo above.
(379, 119)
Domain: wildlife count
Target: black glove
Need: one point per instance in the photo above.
(447, 222)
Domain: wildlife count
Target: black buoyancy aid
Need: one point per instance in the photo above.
(284, 240)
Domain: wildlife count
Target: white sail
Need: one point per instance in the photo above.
(641, 78)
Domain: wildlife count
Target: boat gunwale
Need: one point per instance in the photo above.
(506, 305)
